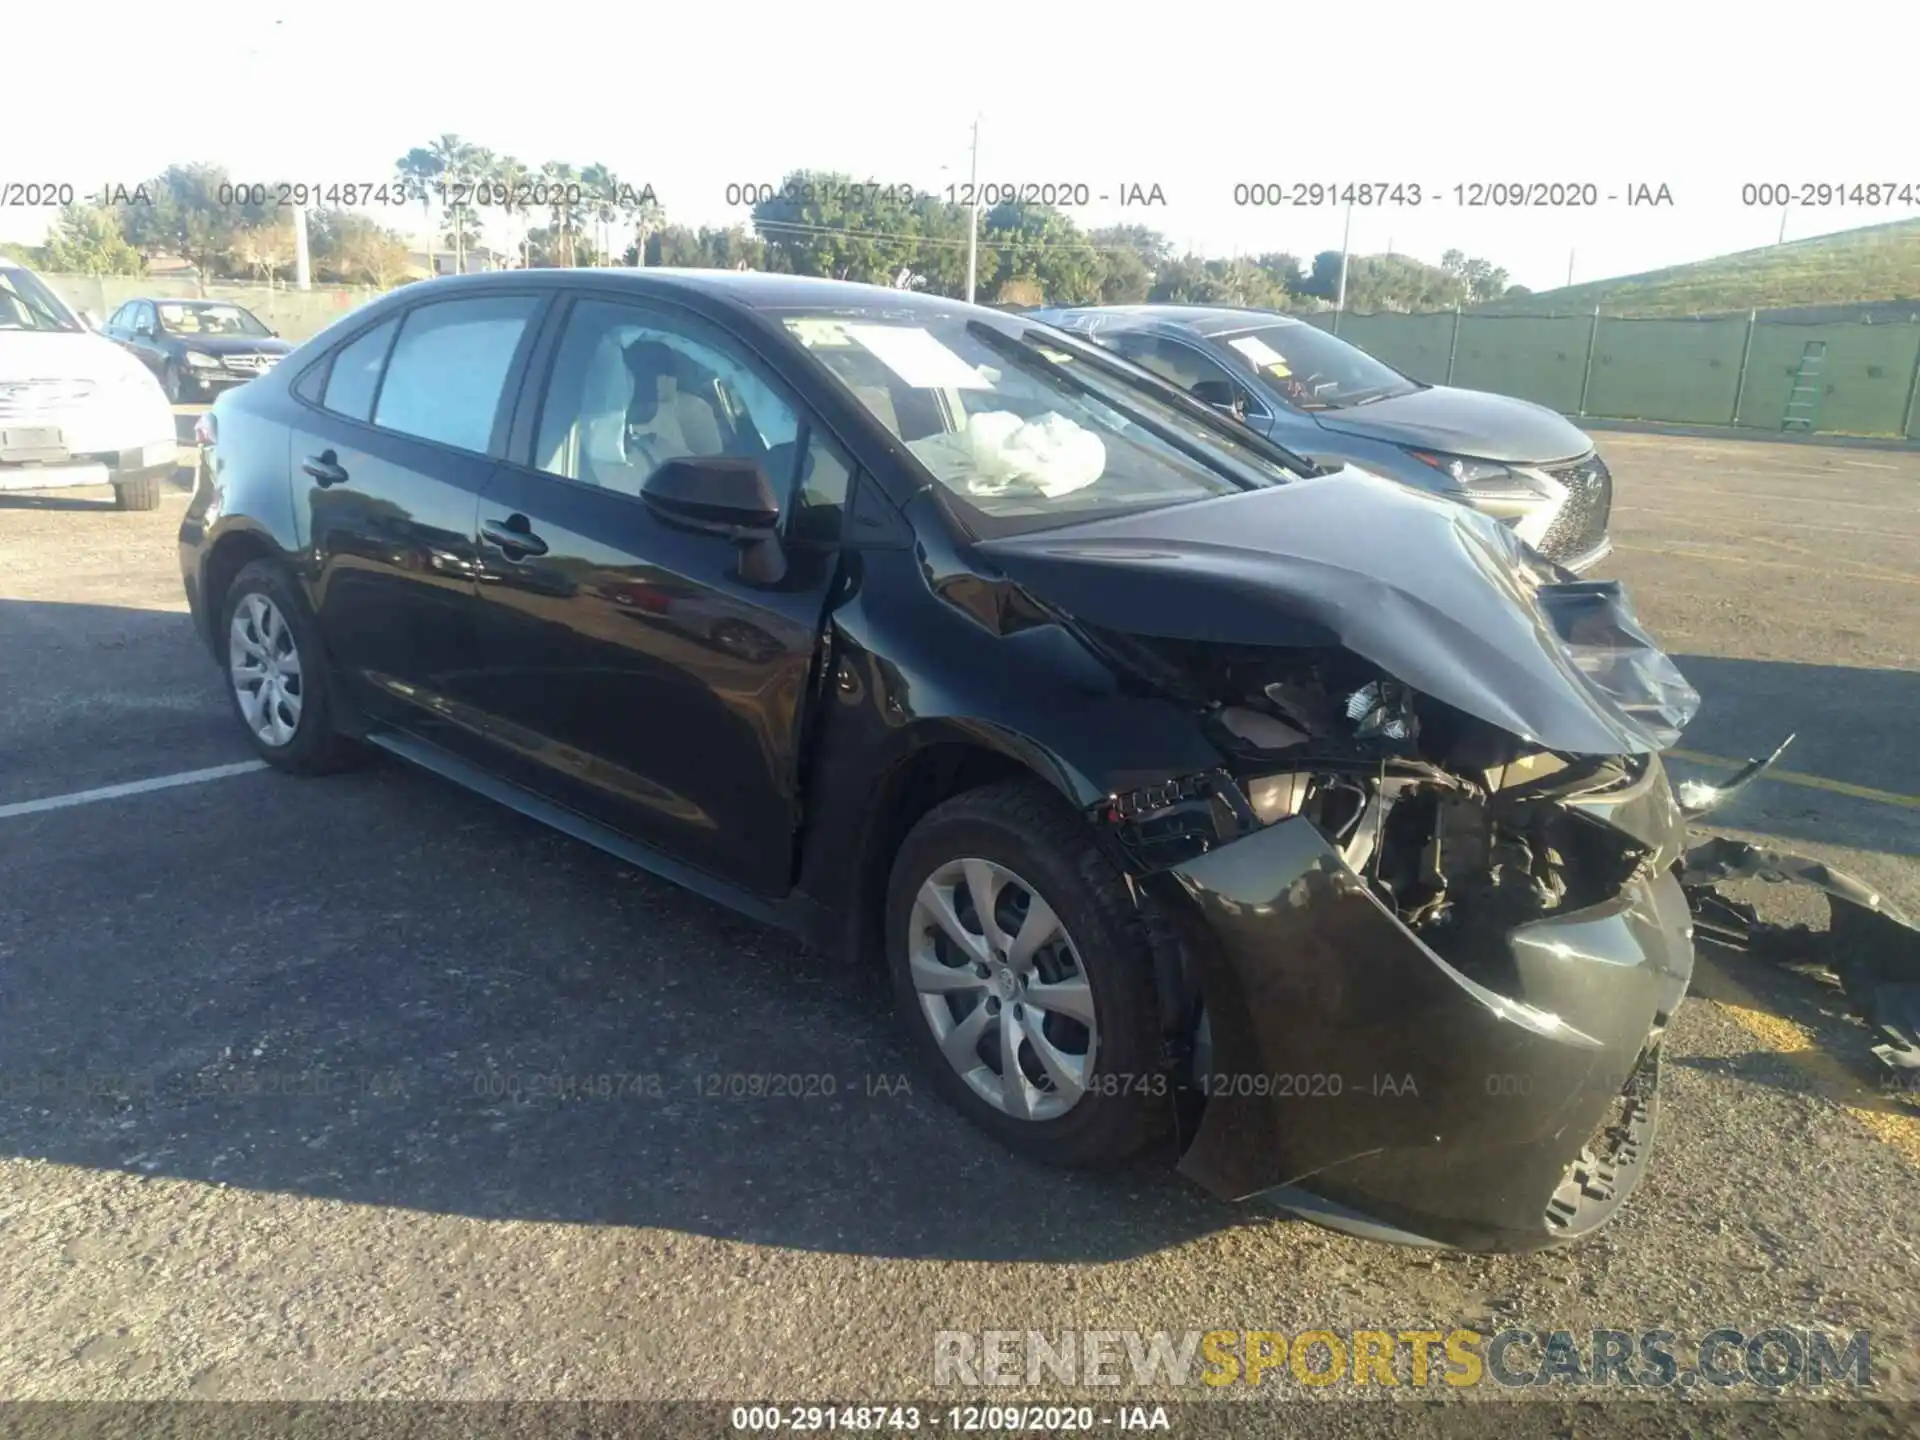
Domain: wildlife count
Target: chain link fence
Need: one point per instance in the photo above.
(1740, 370)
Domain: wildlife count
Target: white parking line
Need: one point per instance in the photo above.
(132, 787)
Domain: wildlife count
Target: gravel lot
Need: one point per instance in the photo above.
(273, 1122)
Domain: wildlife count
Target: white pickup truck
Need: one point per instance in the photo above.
(75, 409)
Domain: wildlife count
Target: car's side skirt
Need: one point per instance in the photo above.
(795, 913)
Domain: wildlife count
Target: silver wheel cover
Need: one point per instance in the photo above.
(1003, 989)
(264, 665)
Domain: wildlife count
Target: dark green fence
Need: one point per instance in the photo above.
(1719, 370)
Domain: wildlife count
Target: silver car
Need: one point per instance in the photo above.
(1323, 398)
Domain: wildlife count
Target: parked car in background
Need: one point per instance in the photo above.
(1161, 768)
(196, 348)
(74, 409)
(1314, 393)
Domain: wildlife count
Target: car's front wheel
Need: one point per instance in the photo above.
(171, 382)
(277, 673)
(1022, 967)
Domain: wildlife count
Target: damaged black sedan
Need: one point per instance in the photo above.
(1308, 824)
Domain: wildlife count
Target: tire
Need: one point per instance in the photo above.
(296, 730)
(170, 382)
(140, 494)
(1037, 844)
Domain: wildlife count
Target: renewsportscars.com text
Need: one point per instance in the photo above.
(1768, 1358)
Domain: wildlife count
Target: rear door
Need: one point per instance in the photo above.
(630, 670)
(395, 446)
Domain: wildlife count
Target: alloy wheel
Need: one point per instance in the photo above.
(264, 663)
(1003, 989)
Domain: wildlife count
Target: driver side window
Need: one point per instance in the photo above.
(632, 389)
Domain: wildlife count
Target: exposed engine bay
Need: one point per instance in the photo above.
(1462, 831)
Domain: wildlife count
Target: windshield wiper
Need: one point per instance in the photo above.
(1026, 351)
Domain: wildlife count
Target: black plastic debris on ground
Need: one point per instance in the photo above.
(1872, 949)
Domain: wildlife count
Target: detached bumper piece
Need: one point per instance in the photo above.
(1361, 1079)
(1872, 949)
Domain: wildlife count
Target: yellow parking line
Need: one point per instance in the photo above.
(1888, 1121)
(1812, 782)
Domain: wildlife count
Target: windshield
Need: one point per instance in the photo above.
(26, 304)
(208, 320)
(1314, 370)
(1010, 420)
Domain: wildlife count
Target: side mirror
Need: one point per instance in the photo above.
(715, 492)
(1221, 395)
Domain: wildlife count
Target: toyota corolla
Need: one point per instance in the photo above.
(1307, 825)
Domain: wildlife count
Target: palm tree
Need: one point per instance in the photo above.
(601, 189)
(418, 171)
(456, 158)
(481, 164)
(644, 214)
(562, 193)
(515, 180)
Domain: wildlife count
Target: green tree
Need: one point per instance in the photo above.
(1192, 280)
(86, 240)
(462, 166)
(349, 248)
(566, 212)
(512, 182)
(263, 251)
(195, 216)
(822, 223)
(418, 172)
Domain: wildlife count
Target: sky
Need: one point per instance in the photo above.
(693, 98)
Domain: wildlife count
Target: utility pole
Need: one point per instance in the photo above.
(973, 213)
(1570, 255)
(1340, 303)
(302, 256)
(1783, 225)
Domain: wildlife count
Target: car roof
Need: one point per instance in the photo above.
(1204, 320)
(746, 289)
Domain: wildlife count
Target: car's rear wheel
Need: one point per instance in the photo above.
(1022, 968)
(139, 494)
(277, 673)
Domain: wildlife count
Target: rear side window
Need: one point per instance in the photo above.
(449, 368)
(356, 373)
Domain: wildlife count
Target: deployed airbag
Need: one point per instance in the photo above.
(999, 452)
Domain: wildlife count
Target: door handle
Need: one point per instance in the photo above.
(514, 535)
(325, 468)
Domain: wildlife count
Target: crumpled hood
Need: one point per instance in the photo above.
(1464, 422)
(1434, 593)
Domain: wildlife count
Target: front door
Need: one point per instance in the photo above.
(633, 669)
(387, 470)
